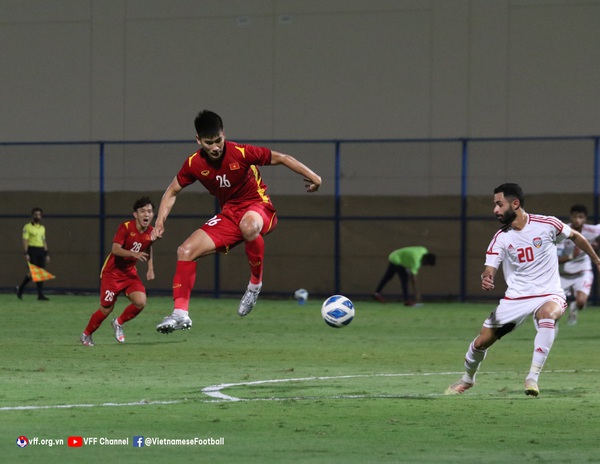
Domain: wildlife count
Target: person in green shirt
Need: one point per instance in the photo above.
(406, 262)
(35, 249)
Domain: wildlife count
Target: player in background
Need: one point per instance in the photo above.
(525, 246)
(36, 251)
(132, 243)
(228, 170)
(406, 262)
(575, 267)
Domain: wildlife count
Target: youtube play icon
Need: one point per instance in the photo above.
(75, 442)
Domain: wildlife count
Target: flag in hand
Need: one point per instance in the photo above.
(38, 274)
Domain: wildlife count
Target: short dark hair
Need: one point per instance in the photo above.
(142, 202)
(512, 190)
(428, 259)
(579, 209)
(37, 208)
(208, 124)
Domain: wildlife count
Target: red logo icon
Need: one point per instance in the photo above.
(75, 442)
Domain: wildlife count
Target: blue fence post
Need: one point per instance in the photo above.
(102, 206)
(596, 207)
(337, 219)
(463, 221)
(217, 281)
(596, 180)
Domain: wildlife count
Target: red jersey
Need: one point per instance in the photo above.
(234, 179)
(130, 238)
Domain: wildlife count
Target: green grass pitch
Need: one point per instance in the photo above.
(286, 388)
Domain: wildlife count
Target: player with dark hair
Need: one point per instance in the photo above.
(575, 267)
(132, 243)
(229, 171)
(526, 248)
(36, 250)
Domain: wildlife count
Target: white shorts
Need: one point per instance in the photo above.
(581, 282)
(516, 311)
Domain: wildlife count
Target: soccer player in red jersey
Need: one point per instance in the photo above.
(132, 243)
(228, 170)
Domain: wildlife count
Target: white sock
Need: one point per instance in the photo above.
(180, 312)
(473, 359)
(573, 306)
(541, 347)
(254, 287)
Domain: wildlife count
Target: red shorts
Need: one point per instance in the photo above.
(111, 286)
(224, 228)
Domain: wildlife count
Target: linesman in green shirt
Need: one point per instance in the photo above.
(35, 249)
(406, 262)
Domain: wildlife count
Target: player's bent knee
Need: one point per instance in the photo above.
(250, 226)
(250, 235)
(138, 299)
(185, 253)
(106, 310)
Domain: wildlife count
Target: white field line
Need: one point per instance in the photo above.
(217, 396)
(215, 391)
(91, 405)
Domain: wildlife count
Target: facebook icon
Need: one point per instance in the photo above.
(138, 442)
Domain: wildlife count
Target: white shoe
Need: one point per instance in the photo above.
(458, 387)
(86, 340)
(531, 387)
(572, 320)
(118, 328)
(248, 302)
(174, 322)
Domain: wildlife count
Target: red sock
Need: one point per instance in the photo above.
(95, 322)
(255, 251)
(128, 313)
(183, 282)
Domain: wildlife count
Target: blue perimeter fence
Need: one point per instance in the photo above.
(461, 169)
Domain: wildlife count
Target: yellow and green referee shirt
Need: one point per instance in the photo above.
(34, 234)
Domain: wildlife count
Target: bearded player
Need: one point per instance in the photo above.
(526, 248)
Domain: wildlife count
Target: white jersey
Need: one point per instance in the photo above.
(528, 256)
(582, 261)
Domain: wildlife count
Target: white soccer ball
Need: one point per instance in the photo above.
(337, 311)
(301, 295)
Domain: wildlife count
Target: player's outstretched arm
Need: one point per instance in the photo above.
(150, 272)
(581, 242)
(166, 204)
(313, 181)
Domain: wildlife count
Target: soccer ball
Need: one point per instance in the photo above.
(337, 311)
(301, 295)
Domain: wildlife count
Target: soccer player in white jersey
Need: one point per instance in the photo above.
(575, 267)
(526, 248)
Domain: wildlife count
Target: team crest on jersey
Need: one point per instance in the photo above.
(206, 172)
(537, 242)
(234, 166)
